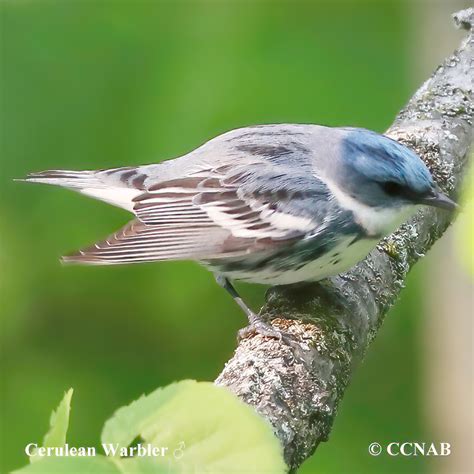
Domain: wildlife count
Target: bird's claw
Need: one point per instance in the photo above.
(265, 330)
(259, 327)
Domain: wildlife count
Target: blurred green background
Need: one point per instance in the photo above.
(96, 84)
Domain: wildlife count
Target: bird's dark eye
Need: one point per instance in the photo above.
(392, 188)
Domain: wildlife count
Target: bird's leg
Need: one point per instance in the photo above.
(256, 324)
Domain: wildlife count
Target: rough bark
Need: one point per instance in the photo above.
(298, 388)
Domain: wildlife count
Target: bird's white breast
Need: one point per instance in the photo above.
(341, 257)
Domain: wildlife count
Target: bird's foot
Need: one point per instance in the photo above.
(257, 326)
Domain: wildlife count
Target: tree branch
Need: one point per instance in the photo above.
(298, 388)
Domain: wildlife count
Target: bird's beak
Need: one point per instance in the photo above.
(439, 199)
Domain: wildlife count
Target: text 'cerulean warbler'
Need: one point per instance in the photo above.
(272, 204)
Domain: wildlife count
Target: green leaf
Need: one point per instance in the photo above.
(147, 465)
(58, 425)
(72, 465)
(205, 428)
(125, 425)
(200, 428)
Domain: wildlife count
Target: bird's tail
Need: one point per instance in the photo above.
(66, 178)
(105, 185)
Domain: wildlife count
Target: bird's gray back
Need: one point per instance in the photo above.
(295, 148)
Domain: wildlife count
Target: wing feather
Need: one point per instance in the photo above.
(214, 213)
(138, 242)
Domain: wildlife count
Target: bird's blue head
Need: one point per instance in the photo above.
(382, 173)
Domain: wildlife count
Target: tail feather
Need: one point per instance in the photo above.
(66, 178)
(97, 184)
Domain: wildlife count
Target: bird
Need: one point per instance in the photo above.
(274, 204)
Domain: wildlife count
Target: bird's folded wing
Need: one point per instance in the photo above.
(138, 242)
(215, 213)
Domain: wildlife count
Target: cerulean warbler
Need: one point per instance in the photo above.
(273, 204)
